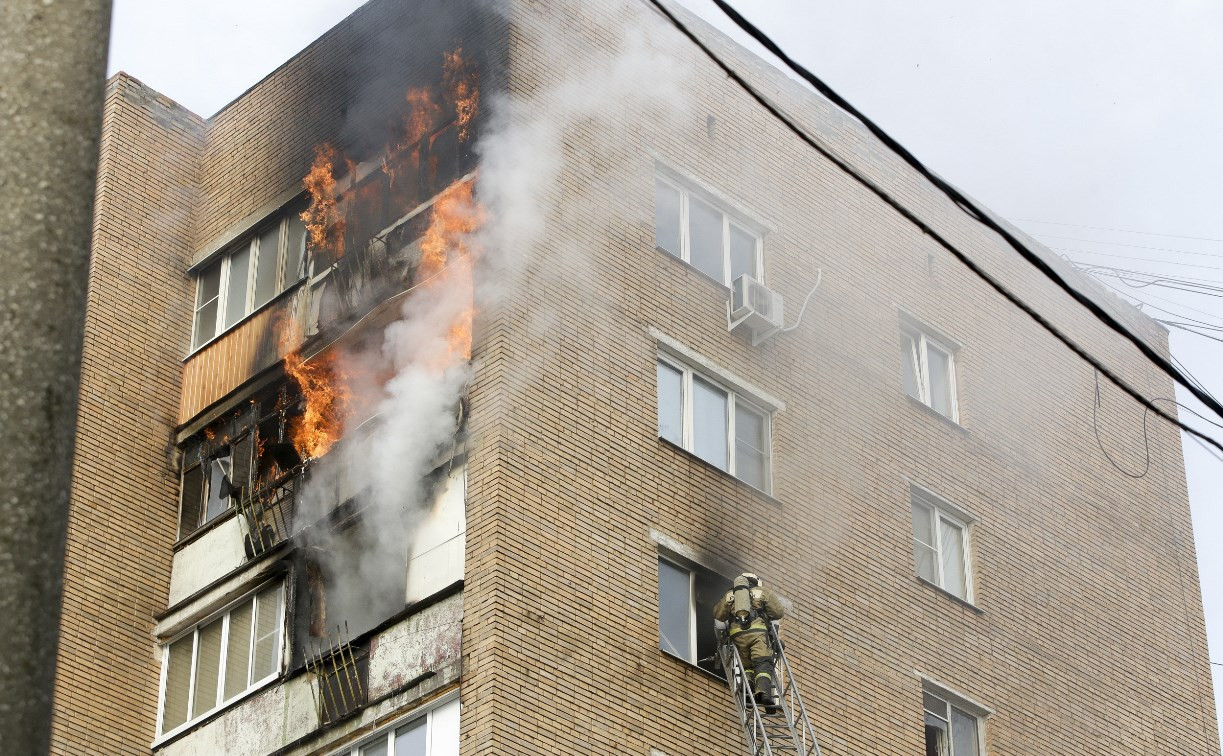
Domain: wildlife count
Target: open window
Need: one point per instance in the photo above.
(687, 595)
(952, 726)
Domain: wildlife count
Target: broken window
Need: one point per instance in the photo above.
(928, 371)
(713, 422)
(940, 544)
(221, 658)
(950, 730)
(696, 229)
(217, 469)
(687, 595)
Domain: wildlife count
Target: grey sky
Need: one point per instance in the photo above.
(1090, 114)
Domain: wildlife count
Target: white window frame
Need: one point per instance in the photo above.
(224, 613)
(249, 241)
(734, 397)
(691, 609)
(729, 216)
(923, 342)
(980, 714)
(946, 511)
(387, 733)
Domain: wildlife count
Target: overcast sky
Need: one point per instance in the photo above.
(1093, 125)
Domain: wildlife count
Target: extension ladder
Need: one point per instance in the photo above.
(786, 730)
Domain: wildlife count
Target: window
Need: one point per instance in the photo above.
(686, 598)
(248, 275)
(929, 371)
(210, 475)
(704, 235)
(940, 545)
(714, 423)
(221, 658)
(950, 729)
(433, 733)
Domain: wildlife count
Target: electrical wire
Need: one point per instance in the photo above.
(1121, 230)
(818, 279)
(968, 208)
(1139, 259)
(966, 204)
(1189, 329)
(1134, 246)
(1146, 439)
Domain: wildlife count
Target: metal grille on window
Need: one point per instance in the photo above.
(341, 676)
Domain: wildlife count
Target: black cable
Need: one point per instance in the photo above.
(1146, 439)
(1189, 329)
(1121, 230)
(964, 259)
(966, 204)
(1134, 246)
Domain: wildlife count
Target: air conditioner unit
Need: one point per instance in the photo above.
(755, 307)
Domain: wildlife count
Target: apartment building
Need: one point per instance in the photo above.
(422, 413)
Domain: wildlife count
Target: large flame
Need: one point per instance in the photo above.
(326, 397)
(462, 89)
(324, 217)
(445, 266)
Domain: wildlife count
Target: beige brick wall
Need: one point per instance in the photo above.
(124, 506)
(1091, 637)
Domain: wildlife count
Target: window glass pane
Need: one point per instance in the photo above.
(742, 253)
(218, 469)
(192, 501)
(909, 363)
(208, 285)
(953, 558)
(268, 265)
(940, 379)
(235, 290)
(673, 611)
(705, 239)
(207, 668)
(934, 705)
(670, 403)
(267, 633)
(238, 653)
(927, 562)
(410, 740)
(923, 528)
(205, 324)
(294, 259)
(444, 730)
(377, 748)
(178, 683)
(709, 423)
(666, 217)
(751, 444)
(964, 740)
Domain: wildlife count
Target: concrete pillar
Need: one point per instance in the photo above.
(52, 72)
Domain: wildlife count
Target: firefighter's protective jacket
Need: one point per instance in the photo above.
(765, 608)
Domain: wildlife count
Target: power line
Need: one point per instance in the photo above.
(1120, 230)
(1140, 259)
(1135, 246)
(966, 205)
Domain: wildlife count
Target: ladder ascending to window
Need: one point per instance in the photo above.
(783, 729)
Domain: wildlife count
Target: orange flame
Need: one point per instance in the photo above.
(324, 218)
(462, 84)
(325, 394)
(446, 256)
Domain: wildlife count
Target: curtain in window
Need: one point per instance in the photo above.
(709, 418)
(667, 218)
(925, 553)
(670, 404)
(673, 616)
(952, 537)
(705, 250)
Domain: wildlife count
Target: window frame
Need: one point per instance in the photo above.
(943, 510)
(249, 241)
(734, 397)
(387, 733)
(695, 573)
(979, 714)
(222, 614)
(729, 217)
(923, 340)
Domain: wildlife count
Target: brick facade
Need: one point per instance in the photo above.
(1087, 633)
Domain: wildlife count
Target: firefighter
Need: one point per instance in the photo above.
(745, 612)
